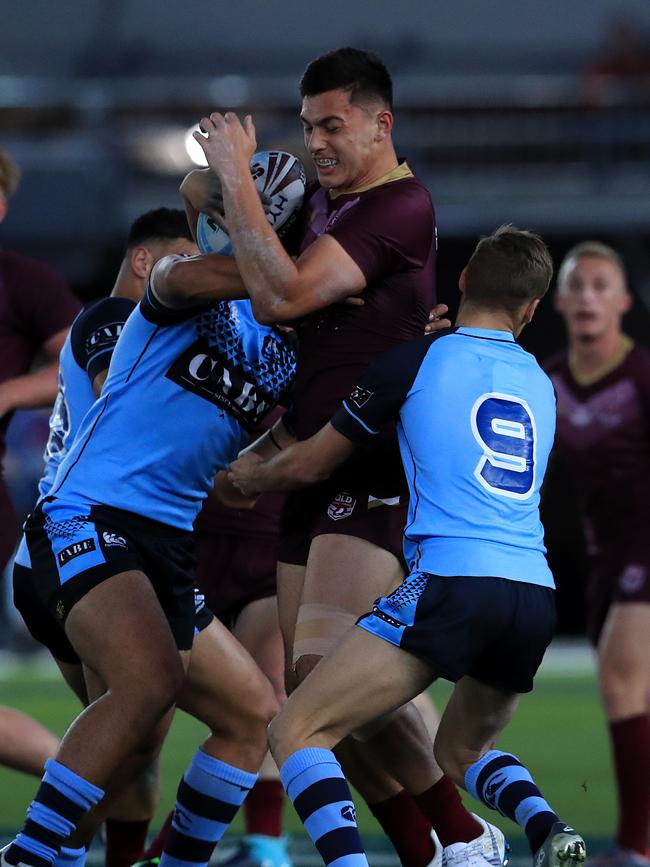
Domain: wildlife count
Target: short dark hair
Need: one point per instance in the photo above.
(361, 72)
(508, 269)
(161, 224)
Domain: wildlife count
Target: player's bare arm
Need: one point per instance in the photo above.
(304, 463)
(38, 388)
(280, 289)
(190, 281)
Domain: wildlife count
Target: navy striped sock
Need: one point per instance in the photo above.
(501, 782)
(62, 799)
(314, 781)
(208, 798)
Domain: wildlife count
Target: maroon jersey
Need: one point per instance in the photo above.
(389, 231)
(35, 303)
(603, 431)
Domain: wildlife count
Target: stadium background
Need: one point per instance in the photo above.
(526, 112)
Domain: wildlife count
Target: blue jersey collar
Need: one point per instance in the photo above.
(486, 333)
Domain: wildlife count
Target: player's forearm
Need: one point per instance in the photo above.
(30, 391)
(181, 282)
(269, 273)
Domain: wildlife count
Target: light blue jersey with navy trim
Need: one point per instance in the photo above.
(183, 386)
(86, 352)
(476, 426)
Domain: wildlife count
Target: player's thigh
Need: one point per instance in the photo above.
(223, 683)
(120, 621)
(364, 677)
(344, 575)
(473, 718)
(349, 572)
(257, 628)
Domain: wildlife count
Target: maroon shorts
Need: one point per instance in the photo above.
(324, 508)
(616, 576)
(234, 571)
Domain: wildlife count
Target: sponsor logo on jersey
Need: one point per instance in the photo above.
(204, 371)
(360, 396)
(113, 540)
(341, 507)
(76, 550)
(104, 337)
(348, 812)
(633, 578)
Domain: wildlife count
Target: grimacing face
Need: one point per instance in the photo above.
(592, 297)
(344, 138)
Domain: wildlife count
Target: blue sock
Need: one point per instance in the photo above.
(70, 857)
(208, 798)
(314, 781)
(62, 799)
(501, 782)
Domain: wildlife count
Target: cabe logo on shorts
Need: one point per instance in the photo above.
(66, 554)
(203, 370)
(341, 507)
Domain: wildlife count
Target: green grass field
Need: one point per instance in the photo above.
(558, 732)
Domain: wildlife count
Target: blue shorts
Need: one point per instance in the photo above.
(74, 548)
(493, 629)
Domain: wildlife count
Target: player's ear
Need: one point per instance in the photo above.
(384, 124)
(462, 280)
(529, 312)
(626, 302)
(141, 262)
(3, 207)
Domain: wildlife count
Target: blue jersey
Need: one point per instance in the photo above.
(86, 352)
(476, 426)
(183, 387)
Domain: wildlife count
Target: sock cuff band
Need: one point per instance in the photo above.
(80, 791)
(472, 773)
(307, 758)
(222, 770)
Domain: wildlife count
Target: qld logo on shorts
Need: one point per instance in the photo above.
(341, 507)
(66, 554)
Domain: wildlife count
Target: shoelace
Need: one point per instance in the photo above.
(466, 855)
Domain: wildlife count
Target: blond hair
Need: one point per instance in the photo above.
(595, 249)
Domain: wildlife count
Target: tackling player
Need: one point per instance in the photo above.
(476, 425)
(603, 389)
(368, 230)
(111, 552)
(83, 366)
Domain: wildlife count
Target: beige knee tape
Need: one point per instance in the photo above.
(319, 628)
